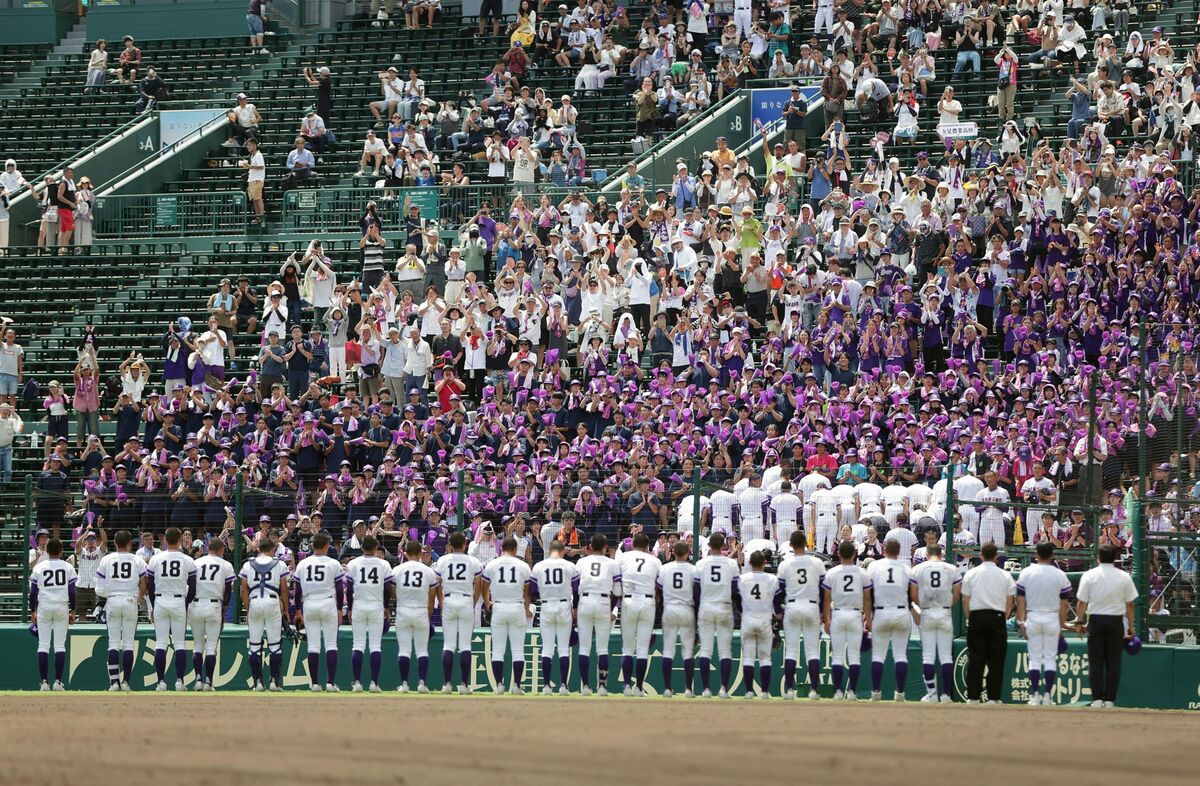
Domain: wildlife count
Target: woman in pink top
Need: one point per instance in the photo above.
(87, 400)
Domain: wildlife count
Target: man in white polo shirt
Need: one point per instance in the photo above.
(987, 598)
(1106, 597)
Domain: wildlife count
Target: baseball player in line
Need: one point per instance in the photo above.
(120, 586)
(714, 584)
(847, 615)
(320, 598)
(553, 582)
(934, 589)
(639, 601)
(506, 591)
(52, 604)
(801, 575)
(416, 587)
(265, 598)
(1043, 592)
(891, 622)
(461, 588)
(214, 588)
(597, 580)
(761, 597)
(676, 583)
(369, 590)
(171, 587)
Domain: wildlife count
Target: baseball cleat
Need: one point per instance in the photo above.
(501, 690)
(929, 698)
(764, 695)
(114, 687)
(851, 696)
(602, 691)
(422, 687)
(638, 693)
(179, 685)
(899, 697)
(45, 687)
(946, 698)
(463, 690)
(688, 694)
(59, 686)
(995, 701)
(197, 687)
(547, 690)
(813, 695)
(125, 687)
(838, 695)
(356, 687)
(586, 690)
(1097, 704)
(668, 693)
(1108, 705)
(331, 687)
(724, 694)
(517, 690)
(375, 688)
(161, 686)
(788, 694)
(315, 688)
(706, 693)
(1035, 700)
(402, 688)
(876, 695)
(275, 687)
(972, 701)
(748, 695)
(562, 690)
(447, 689)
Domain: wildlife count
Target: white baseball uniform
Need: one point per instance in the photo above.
(174, 577)
(597, 576)
(826, 508)
(553, 579)
(119, 582)
(752, 504)
(214, 581)
(458, 574)
(414, 580)
(263, 576)
(1044, 588)
(907, 541)
(721, 504)
(53, 583)
(715, 574)
(639, 579)
(894, 499)
(367, 580)
(801, 575)
(935, 581)
(757, 590)
(785, 516)
(318, 577)
(677, 581)
(891, 624)
(845, 585)
(991, 518)
(507, 578)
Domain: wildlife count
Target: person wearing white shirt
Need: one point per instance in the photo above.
(553, 578)
(506, 591)
(801, 576)
(847, 613)
(121, 584)
(256, 167)
(676, 582)
(715, 576)
(599, 576)
(785, 513)
(760, 594)
(391, 86)
(987, 595)
(639, 579)
(417, 591)
(825, 512)
(1105, 598)
(461, 587)
(891, 621)
(1042, 594)
(992, 505)
(52, 609)
(752, 503)
(934, 590)
(369, 590)
(418, 358)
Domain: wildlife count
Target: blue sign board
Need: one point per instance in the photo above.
(766, 104)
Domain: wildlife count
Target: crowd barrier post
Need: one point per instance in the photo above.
(26, 534)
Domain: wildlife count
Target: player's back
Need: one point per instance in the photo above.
(801, 576)
(553, 577)
(263, 575)
(845, 584)
(716, 574)
(369, 576)
(413, 580)
(458, 573)
(120, 573)
(170, 571)
(639, 573)
(1044, 587)
(677, 581)
(722, 503)
(53, 578)
(757, 591)
(318, 576)
(935, 580)
(213, 576)
(889, 583)
(786, 507)
(597, 574)
(506, 578)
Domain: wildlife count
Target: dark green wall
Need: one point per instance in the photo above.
(150, 20)
(33, 25)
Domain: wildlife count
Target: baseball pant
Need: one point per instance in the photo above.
(458, 623)
(845, 637)
(824, 20)
(412, 630)
(970, 519)
(826, 531)
(715, 620)
(756, 640)
(508, 629)
(991, 530)
(678, 625)
(802, 618)
(937, 636)
(337, 362)
(1042, 630)
(745, 23)
(752, 529)
(890, 627)
(722, 525)
(52, 623)
(595, 615)
(555, 622)
(366, 629)
(637, 626)
(264, 619)
(170, 623)
(783, 532)
(122, 613)
(205, 619)
(321, 624)
(987, 644)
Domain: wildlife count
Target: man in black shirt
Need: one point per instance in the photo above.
(151, 91)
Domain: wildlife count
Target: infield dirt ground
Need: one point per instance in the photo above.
(361, 739)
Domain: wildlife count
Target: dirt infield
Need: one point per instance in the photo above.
(229, 739)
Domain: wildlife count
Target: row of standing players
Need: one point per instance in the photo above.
(871, 609)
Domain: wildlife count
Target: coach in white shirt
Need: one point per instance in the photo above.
(987, 597)
(417, 359)
(1106, 597)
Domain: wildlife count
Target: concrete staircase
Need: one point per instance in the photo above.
(73, 43)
